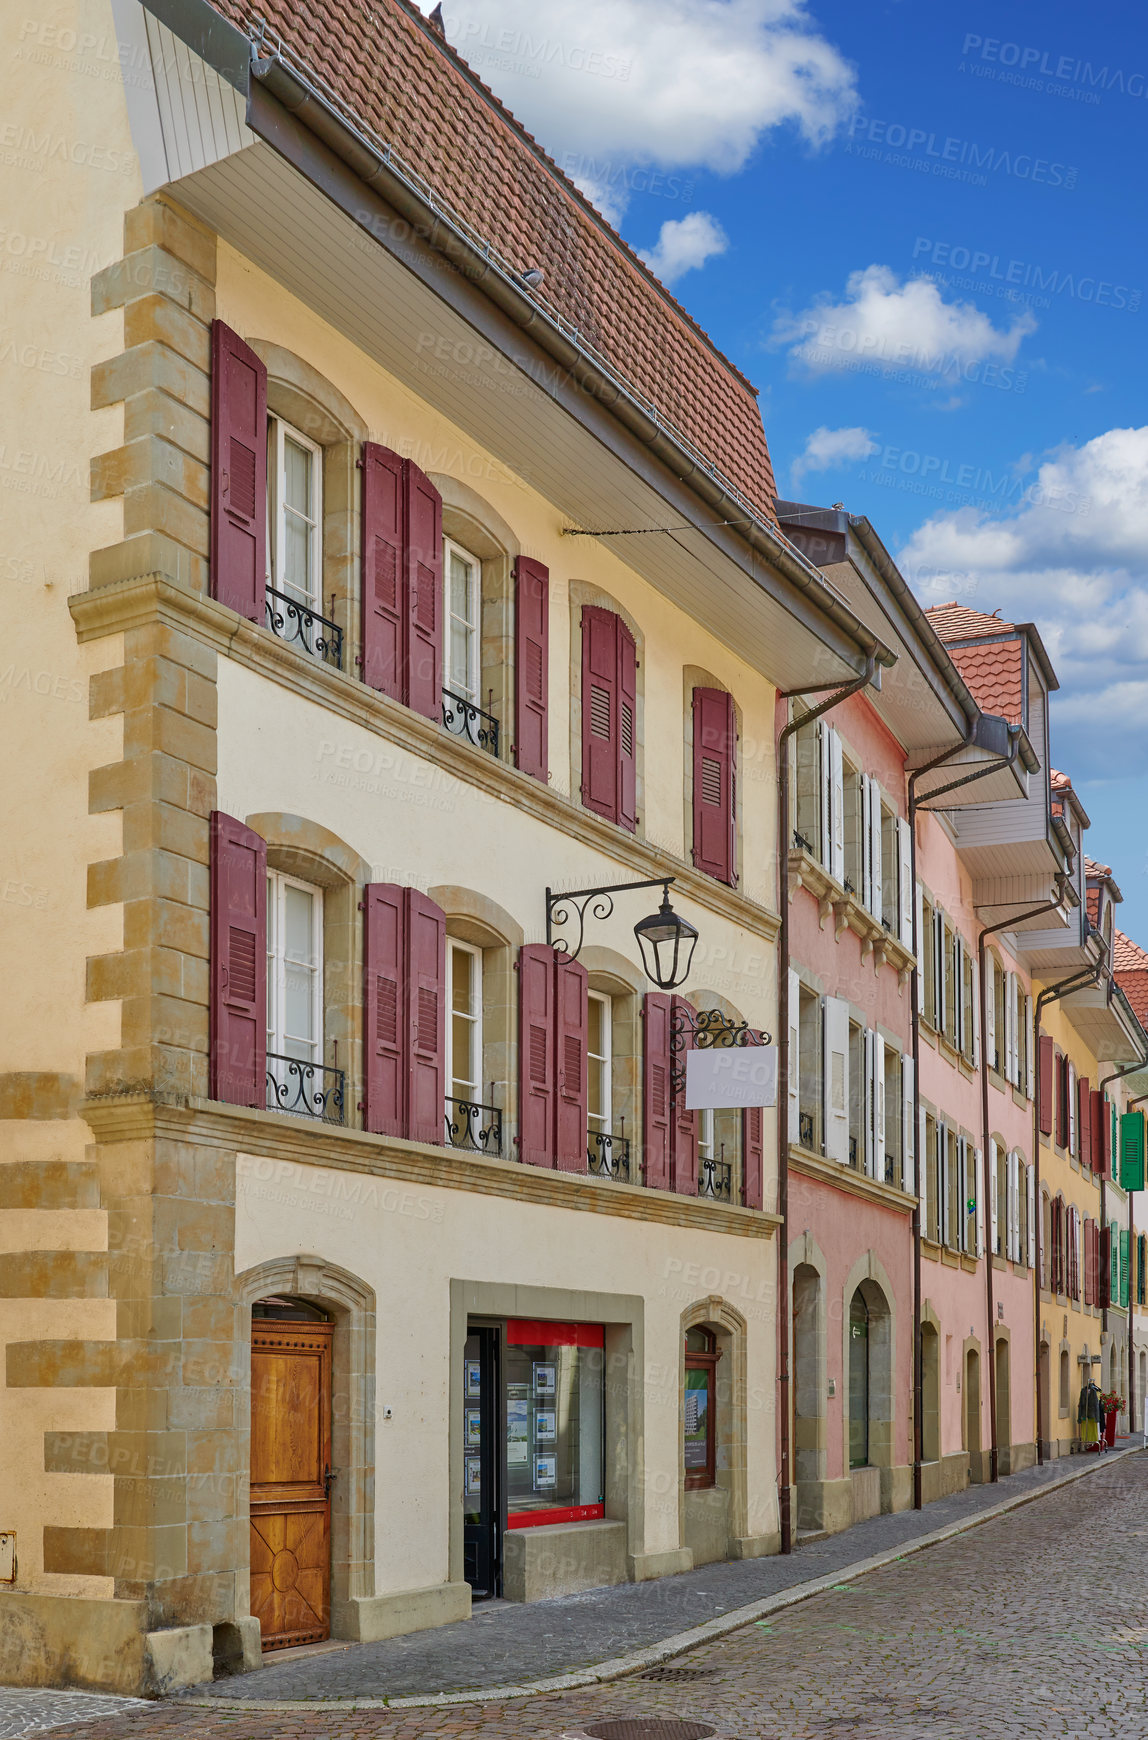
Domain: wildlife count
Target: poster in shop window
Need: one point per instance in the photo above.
(473, 1475)
(545, 1379)
(472, 1387)
(472, 1424)
(545, 1425)
(545, 1472)
(517, 1425)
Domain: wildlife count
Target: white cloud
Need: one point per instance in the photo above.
(1073, 559)
(827, 449)
(684, 244)
(607, 84)
(906, 326)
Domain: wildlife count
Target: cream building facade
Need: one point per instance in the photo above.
(416, 1184)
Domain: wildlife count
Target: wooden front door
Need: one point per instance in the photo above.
(291, 1481)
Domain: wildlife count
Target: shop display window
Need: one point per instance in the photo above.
(554, 1376)
(698, 1434)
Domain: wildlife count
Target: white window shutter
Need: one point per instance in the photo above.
(993, 1205)
(959, 990)
(794, 1057)
(866, 889)
(825, 792)
(908, 1127)
(976, 1013)
(870, 1105)
(962, 1193)
(837, 1079)
(979, 1195)
(836, 808)
(943, 1192)
(876, 906)
(878, 1107)
(1071, 1110)
(1013, 1223)
(990, 1011)
(923, 1176)
(940, 1011)
(1030, 1185)
(1013, 1054)
(1029, 1057)
(905, 882)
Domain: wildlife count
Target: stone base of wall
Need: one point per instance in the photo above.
(643, 1567)
(68, 1640)
(980, 1467)
(866, 1484)
(896, 1489)
(1020, 1457)
(941, 1479)
(707, 1525)
(370, 1618)
(563, 1559)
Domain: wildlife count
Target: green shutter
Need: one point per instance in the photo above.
(1124, 1261)
(1132, 1151)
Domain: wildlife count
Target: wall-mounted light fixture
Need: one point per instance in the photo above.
(666, 940)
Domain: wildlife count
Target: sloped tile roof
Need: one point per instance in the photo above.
(1130, 967)
(1092, 868)
(995, 675)
(955, 621)
(1127, 956)
(1059, 781)
(384, 62)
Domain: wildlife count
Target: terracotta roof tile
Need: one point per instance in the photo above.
(1127, 955)
(955, 621)
(1059, 781)
(1092, 868)
(418, 95)
(1130, 967)
(995, 675)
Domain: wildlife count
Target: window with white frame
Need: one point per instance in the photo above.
(295, 514)
(462, 575)
(294, 990)
(464, 1028)
(705, 1136)
(599, 1064)
(889, 893)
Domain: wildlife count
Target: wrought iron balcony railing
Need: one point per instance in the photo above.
(474, 1126)
(296, 622)
(463, 719)
(309, 1090)
(715, 1179)
(608, 1156)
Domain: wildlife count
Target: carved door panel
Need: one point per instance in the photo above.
(290, 1481)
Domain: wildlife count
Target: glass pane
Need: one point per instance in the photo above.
(705, 1134)
(596, 1093)
(298, 918)
(296, 575)
(461, 577)
(297, 463)
(554, 1421)
(462, 980)
(697, 1421)
(463, 1084)
(459, 678)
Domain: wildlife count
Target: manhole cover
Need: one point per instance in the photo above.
(678, 1673)
(649, 1728)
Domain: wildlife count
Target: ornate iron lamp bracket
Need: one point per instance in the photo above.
(563, 908)
(703, 1030)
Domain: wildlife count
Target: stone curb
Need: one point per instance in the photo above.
(656, 1653)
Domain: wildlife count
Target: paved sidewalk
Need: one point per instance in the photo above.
(30, 1710)
(510, 1644)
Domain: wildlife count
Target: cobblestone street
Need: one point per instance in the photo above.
(1034, 1624)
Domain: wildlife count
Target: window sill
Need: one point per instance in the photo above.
(252, 1132)
(156, 598)
(847, 1178)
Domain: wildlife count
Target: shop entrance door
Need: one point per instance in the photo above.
(291, 1477)
(482, 1463)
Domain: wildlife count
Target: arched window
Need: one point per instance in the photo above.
(699, 1437)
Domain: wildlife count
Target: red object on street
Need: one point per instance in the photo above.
(1110, 1427)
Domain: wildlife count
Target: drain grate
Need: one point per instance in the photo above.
(649, 1728)
(681, 1674)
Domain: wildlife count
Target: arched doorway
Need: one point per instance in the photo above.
(860, 1381)
(930, 1394)
(291, 1471)
(1046, 1396)
(808, 1396)
(1003, 1409)
(973, 1415)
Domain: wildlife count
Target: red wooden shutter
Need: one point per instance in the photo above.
(426, 981)
(1045, 1058)
(1097, 1117)
(1084, 1120)
(384, 575)
(425, 595)
(238, 1006)
(683, 1124)
(752, 1156)
(1105, 1267)
(385, 1049)
(656, 1090)
(627, 727)
(531, 667)
(570, 1010)
(238, 474)
(536, 1054)
(600, 711)
(714, 753)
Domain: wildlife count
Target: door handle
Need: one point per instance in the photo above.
(329, 1475)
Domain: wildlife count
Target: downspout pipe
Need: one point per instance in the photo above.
(986, 1176)
(915, 805)
(1050, 994)
(785, 1517)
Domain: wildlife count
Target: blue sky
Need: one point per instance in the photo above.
(919, 230)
